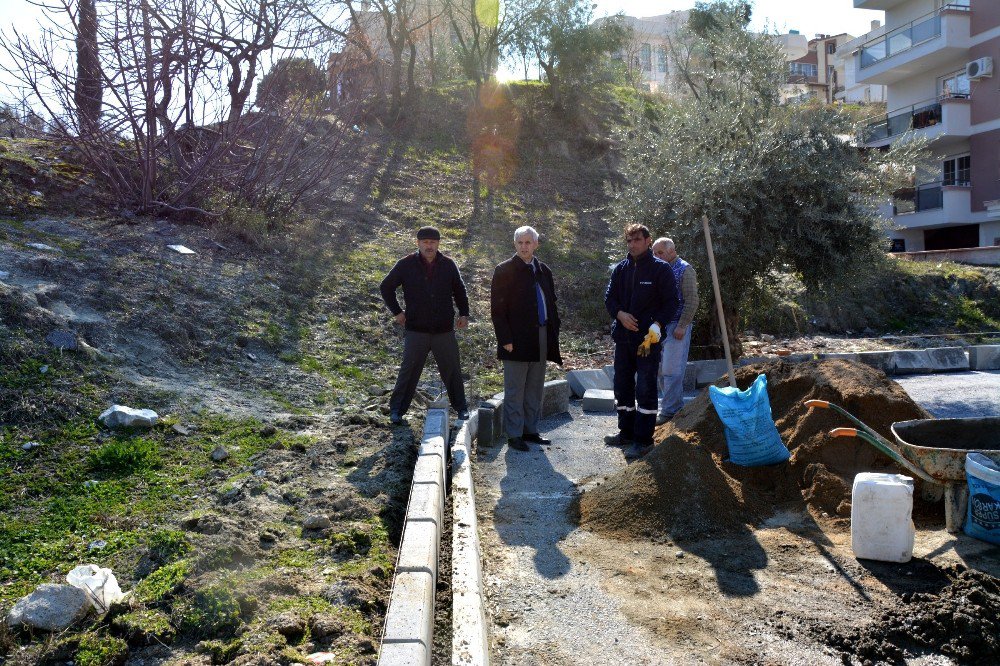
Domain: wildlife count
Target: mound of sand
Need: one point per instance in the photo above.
(685, 487)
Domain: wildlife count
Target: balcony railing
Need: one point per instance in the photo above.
(904, 38)
(929, 196)
(914, 117)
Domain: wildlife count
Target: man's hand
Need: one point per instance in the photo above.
(652, 337)
(679, 333)
(462, 322)
(401, 319)
(509, 347)
(628, 321)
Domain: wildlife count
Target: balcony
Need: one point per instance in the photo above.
(877, 4)
(924, 43)
(933, 205)
(944, 121)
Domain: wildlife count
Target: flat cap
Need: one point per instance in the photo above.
(428, 233)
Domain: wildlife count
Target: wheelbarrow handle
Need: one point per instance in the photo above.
(823, 404)
(889, 451)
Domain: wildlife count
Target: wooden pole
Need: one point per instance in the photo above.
(718, 300)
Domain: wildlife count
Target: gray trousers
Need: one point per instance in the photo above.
(416, 346)
(523, 389)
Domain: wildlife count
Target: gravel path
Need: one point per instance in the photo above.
(546, 606)
(956, 394)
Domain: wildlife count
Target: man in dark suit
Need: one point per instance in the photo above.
(526, 321)
(430, 282)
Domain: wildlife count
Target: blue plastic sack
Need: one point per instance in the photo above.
(751, 434)
(982, 518)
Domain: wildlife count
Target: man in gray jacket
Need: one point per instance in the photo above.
(677, 334)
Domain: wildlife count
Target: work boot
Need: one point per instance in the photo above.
(536, 438)
(395, 418)
(617, 440)
(637, 451)
(517, 443)
(662, 418)
(463, 415)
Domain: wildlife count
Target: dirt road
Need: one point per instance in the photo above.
(788, 592)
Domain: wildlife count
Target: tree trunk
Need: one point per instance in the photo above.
(149, 143)
(88, 90)
(732, 328)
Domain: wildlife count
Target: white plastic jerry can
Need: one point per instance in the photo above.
(882, 517)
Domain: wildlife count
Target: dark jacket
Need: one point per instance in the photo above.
(429, 306)
(644, 288)
(514, 310)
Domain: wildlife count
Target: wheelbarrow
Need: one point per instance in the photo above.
(933, 450)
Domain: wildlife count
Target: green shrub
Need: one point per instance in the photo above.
(97, 650)
(168, 545)
(126, 456)
(211, 612)
(162, 582)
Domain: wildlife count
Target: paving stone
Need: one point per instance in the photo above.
(555, 398)
(409, 621)
(846, 356)
(490, 421)
(609, 370)
(587, 378)
(984, 357)
(599, 400)
(690, 376)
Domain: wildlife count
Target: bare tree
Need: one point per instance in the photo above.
(175, 135)
(88, 90)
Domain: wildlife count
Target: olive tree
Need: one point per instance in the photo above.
(784, 187)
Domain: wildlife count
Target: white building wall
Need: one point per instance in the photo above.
(907, 11)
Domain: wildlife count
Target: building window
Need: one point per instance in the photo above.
(955, 85)
(957, 171)
(831, 47)
(646, 57)
(897, 245)
(802, 69)
(661, 59)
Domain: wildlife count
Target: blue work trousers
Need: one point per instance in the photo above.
(671, 377)
(635, 391)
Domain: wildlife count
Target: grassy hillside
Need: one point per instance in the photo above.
(276, 347)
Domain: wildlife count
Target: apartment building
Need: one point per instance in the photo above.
(937, 60)
(821, 74)
(649, 58)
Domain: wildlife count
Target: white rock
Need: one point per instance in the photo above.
(50, 607)
(43, 247)
(27, 446)
(119, 416)
(316, 522)
(180, 249)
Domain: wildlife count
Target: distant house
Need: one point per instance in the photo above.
(821, 74)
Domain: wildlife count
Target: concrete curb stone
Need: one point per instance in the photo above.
(470, 637)
(587, 378)
(984, 357)
(555, 399)
(409, 620)
(599, 400)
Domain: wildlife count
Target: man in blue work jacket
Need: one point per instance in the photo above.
(642, 298)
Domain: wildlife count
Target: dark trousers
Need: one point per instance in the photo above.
(635, 391)
(416, 345)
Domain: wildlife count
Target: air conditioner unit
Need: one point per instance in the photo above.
(979, 68)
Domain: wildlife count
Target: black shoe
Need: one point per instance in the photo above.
(395, 418)
(517, 444)
(637, 451)
(662, 418)
(617, 440)
(536, 438)
(463, 415)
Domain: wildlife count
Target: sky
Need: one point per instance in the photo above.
(807, 16)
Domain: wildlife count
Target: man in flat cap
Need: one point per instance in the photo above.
(432, 288)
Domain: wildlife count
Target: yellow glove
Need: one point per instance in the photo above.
(652, 337)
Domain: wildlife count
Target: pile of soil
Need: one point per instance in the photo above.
(685, 487)
(960, 621)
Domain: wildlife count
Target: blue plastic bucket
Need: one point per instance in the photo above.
(982, 518)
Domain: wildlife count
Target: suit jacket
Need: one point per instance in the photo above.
(514, 310)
